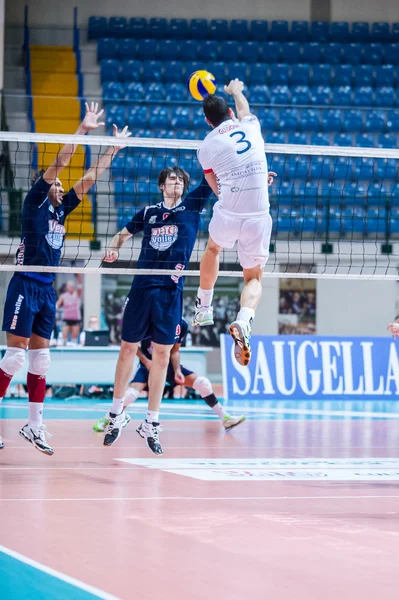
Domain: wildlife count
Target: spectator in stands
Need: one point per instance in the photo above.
(71, 303)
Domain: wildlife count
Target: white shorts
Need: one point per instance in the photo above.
(252, 235)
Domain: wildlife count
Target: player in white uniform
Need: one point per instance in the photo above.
(234, 162)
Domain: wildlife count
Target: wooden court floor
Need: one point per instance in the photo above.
(295, 503)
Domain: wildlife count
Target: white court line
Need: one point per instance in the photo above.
(197, 498)
(49, 571)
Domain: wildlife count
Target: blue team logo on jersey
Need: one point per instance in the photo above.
(163, 237)
(55, 236)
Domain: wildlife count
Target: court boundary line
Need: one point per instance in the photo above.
(199, 498)
(57, 574)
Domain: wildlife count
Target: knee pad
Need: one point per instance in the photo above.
(13, 360)
(39, 361)
(203, 386)
(131, 395)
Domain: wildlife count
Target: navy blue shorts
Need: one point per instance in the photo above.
(153, 312)
(29, 307)
(142, 374)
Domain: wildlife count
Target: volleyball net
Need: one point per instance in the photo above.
(335, 210)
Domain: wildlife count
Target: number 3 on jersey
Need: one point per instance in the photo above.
(242, 140)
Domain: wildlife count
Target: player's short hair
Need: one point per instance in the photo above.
(215, 109)
(164, 174)
(37, 176)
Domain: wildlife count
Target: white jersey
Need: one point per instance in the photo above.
(235, 152)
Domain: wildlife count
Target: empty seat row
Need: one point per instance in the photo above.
(267, 52)
(241, 29)
(254, 73)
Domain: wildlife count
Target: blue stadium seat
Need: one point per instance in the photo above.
(97, 28)
(374, 54)
(112, 91)
(300, 94)
(334, 222)
(364, 140)
(339, 31)
(353, 120)
(352, 53)
(375, 121)
(117, 27)
(280, 94)
(297, 137)
(175, 92)
(115, 113)
(394, 37)
(258, 74)
(309, 119)
(165, 134)
(386, 168)
(320, 31)
(360, 32)
(343, 75)
(210, 50)
(174, 71)
(310, 53)
(394, 193)
(138, 28)
(377, 192)
(300, 74)
(199, 119)
(279, 31)
(142, 133)
(385, 96)
(239, 29)
(158, 28)
(131, 70)
(384, 76)
(237, 69)
(392, 123)
(154, 92)
(169, 50)
(296, 166)
(342, 139)
(152, 70)
(290, 52)
(178, 29)
(355, 193)
(133, 92)
(187, 50)
(331, 120)
(106, 48)
(380, 31)
(186, 134)
(109, 69)
(341, 167)
(267, 118)
(308, 192)
(250, 51)
(279, 75)
(387, 140)
(363, 169)
(180, 117)
(218, 30)
(288, 119)
(363, 96)
(275, 137)
(376, 220)
(192, 66)
(158, 117)
(218, 69)
(229, 50)
(198, 29)
(319, 139)
(321, 74)
(146, 49)
(320, 167)
(354, 220)
(330, 192)
(392, 54)
(270, 52)
(127, 48)
(331, 53)
(137, 117)
(321, 95)
(363, 75)
(259, 30)
(259, 94)
(300, 31)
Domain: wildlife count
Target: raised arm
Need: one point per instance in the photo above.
(63, 157)
(119, 239)
(235, 89)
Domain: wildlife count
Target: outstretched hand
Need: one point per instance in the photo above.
(92, 115)
(270, 177)
(394, 329)
(123, 135)
(235, 86)
(110, 255)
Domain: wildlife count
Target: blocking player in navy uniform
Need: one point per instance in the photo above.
(29, 311)
(176, 375)
(154, 304)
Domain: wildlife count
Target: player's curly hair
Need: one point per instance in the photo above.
(215, 109)
(164, 174)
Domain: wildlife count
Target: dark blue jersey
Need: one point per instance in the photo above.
(43, 228)
(169, 237)
(146, 344)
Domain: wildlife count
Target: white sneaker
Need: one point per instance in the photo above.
(240, 331)
(150, 433)
(37, 437)
(1, 443)
(203, 315)
(229, 422)
(115, 426)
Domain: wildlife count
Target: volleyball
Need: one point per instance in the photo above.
(200, 84)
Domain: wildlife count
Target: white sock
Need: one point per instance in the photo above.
(219, 410)
(152, 416)
(117, 406)
(246, 314)
(131, 396)
(35, 420)
(205, 296)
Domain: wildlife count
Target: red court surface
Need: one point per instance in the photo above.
(303, 529)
